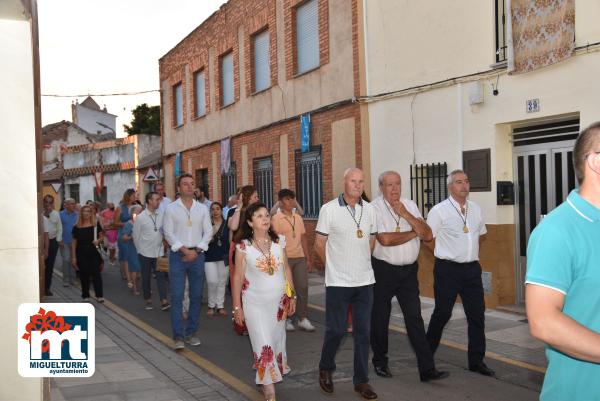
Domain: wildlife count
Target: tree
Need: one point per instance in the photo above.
(146, 120)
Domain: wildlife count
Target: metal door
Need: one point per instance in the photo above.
(544, 175)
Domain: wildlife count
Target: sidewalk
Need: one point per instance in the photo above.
(507, 334)
(132, 366)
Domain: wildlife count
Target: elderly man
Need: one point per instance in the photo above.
(68, 218)
(188, 230)
(345, 236)
(562, 282)
(400, 229)
(458, 229)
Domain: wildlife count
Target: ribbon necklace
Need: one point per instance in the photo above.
(465, 228)
(393, 217)
(359, 232)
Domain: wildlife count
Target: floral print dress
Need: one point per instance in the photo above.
(265, 310)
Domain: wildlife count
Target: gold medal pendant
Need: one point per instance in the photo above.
(397, 229)
(189, 223)
(465, 229)
(359, 233)
(293, 234)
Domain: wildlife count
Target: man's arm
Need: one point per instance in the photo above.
(393, 239)
(372, 241)
(206, 232)
(320, 243)
(136, 233)
(548, 323)
(169, 231)
(59, 230)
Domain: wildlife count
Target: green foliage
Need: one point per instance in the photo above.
(146, 120)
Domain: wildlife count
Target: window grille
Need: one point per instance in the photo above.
(227, 79)
(307, 36)
(309, 182)
(263, 180)
(228, 183)
(178, 99)
(428, 185)
(74, 192)
(202, 181)
(501, 31)
(200, 86)
(262, 67)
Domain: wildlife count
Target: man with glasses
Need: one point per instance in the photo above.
(68, 218)
(563, 275)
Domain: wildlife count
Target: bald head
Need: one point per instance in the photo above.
(354, 184)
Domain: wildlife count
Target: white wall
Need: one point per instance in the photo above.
(115, 183)
(18, 247)
(88, 120)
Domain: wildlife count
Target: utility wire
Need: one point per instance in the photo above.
(105, 94)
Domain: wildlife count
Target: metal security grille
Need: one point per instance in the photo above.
(228, 184)
(309, 182)
(263, 180)
(74, 192)
(428, 185)
(566, 130)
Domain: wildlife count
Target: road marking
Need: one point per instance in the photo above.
(222, 375)
(455, 345)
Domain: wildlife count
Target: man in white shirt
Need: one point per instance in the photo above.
(188, 230)
(163, 200)
(400, 229)
(458, 229)
(345, 236)
(148, 240)
(54, 240)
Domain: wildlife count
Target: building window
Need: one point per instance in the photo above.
(263, 180)
(178, 104)
(428, 185)
(307, 36)
(228, 184)
(261, 60)
(227, 79)
(199, 92)
(500, 30)
(477, 166)
(309, 181)
(202, 181)
(74, 192)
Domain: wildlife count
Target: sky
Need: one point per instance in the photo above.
(109, 46)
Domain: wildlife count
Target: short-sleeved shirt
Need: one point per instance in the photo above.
(68, 221)
(398, 255)
(293, 229)
(348, 256)
(447, 225)
(564, 254)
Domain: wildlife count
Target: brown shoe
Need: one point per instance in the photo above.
(325, 381)
(366, 391)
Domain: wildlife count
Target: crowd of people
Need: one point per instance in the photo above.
(369, 251)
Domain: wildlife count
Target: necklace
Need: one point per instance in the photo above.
(393, 216)
(188, 212)
(359, 232)
(153, 220)
(267, 256)
(291, 223)
(465, 228)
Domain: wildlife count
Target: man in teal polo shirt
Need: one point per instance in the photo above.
(563, 282)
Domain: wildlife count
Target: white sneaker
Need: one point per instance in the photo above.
(179, 344)
(193, 340)
(289, 326)
(306, 325)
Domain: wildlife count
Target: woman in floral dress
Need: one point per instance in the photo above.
(260, 282)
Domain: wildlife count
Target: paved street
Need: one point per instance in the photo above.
(136, 363)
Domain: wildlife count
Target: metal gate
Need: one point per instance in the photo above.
(543, 166)
(263, 180)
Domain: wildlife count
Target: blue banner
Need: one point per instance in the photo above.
(305, 132)
(177, 164)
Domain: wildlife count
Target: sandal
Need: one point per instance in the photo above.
(222, 312)
(129, 284)
(210, 312)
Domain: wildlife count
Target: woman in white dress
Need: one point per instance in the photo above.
(260, 282)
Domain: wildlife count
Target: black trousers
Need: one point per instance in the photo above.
(337, 300)
(90, 272)
(400, 282)
(464, 279)
(49, 263)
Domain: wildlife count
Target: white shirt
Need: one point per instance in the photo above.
(148, 234)
(54, 226)
(347, 257)
(398, 255)
(45, 223)
(162, 206)
(447, 224)
(178, 232)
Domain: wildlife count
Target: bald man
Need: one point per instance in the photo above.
(345, 237)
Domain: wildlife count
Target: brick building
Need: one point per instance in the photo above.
(248, 73)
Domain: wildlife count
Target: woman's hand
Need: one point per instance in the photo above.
(238, 316)
(292, 307)
(74, 263)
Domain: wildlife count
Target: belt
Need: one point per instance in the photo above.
(195, 249)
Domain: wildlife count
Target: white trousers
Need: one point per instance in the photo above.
(216, 280)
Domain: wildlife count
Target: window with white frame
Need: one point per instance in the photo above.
(178, 104)
(227, 79)
(199, 87)
(262, 67)
(307, 36)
